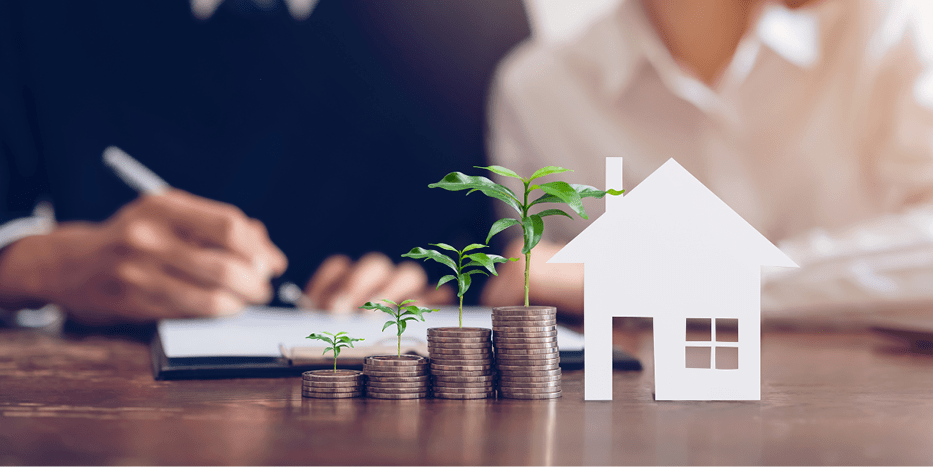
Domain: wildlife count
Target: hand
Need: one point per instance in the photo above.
(559, 285)
(161, 256)
(341, 286)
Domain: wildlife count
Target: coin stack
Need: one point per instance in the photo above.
(330, 384)
(461, 363)
(396, 377)
(527, 356)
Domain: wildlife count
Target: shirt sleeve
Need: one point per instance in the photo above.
(884, 263)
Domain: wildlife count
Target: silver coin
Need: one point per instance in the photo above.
(459, 332)
(524, 329)
(383, 395)
(394, 384)
(528, 362)
(523, 340)
(545, 345)
(392, 374)
(460, 367)
(458, 340)
(445, 362)
(397, 368)
(331, 375)
(460, 345)
(460, 390)
(524, 335)
(509, 352)
(465, 396)
(510, 323)
(332, 384)
(399, 379)
(543, 384)
(516, 309)
(528, 379)
(382, 390)
(504, 375)
(462, 373)
(332, 390)
(505, 369)
(336, 395)
(463, 379)
(547, 395)
(444, 351)
(395, 360)
(510, 390)
(531, 316)
(446, 384)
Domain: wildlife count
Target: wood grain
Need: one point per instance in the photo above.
(827, 399)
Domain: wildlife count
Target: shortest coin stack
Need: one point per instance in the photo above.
(330, 384)
(527, 356)
(396, 377)
(462, 363)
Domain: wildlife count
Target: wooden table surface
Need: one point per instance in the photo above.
(826, 399)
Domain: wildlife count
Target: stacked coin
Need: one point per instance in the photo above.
(330, 384)
(527, 356)
(396, 377)
(462, 364)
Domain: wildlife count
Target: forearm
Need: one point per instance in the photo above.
(24, 266)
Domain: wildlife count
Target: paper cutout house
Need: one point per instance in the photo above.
(671, 250)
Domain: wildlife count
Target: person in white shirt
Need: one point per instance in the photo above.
(803, 117)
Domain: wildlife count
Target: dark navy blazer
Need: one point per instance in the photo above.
(328, 130)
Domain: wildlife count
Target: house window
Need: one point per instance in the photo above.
(712, 343)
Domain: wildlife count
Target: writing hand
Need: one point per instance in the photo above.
(163, 256)
(340, 285)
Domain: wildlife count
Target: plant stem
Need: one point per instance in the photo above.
(527, 268)
(399, 345)
(335, 361)
(461, 311)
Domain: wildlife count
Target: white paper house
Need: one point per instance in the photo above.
(671, 250)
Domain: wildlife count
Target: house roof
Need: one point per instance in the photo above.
(672, 214)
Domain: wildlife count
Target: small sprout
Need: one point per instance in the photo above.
(532, 224)
(336, 342)
(401, 316)
(475, 261)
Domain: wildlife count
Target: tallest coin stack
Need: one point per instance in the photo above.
(527, 356)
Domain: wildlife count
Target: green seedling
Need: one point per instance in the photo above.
(532, 223)
(401, 316)
(336, 342)
(474, 261)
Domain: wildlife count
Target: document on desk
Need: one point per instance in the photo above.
(275, 337)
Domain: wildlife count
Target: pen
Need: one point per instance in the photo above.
(146, 182)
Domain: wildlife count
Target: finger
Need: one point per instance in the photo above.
(326, 280)
(212, 268)
(154, 293)
(508, 287)
(278, 263)
(215, 224)
(369, 275)
(408, 280)
(443, 295)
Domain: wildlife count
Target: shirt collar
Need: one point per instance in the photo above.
(626, 41)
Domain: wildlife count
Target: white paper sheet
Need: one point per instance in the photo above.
(259, 331)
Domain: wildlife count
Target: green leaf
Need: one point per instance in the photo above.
(477, 271)
(416, 311)
(445, 280)
(389, 301)
(496, 169)
(329, 334)
(340, 333)
(446, 247)
(336, 352)
(549, 170)
(533, 227)
(401, 328)
(419, 253)
(485, 261)
(456, 181)
(473, 246)
(464, 282)
(499, 226)
(388, 323)
(406, 302)
(585, 191)
(565, 193)
(327, 350)
(377, 306)
(554, 212)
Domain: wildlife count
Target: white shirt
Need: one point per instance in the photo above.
(813, 134)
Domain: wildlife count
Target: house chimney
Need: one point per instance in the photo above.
(613, 180)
